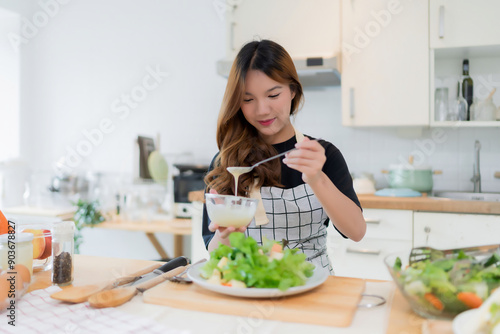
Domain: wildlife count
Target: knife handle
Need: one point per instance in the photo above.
(158, 279)
(174, 263)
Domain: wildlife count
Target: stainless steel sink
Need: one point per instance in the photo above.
(469, 196)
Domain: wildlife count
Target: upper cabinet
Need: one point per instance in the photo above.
(308, 30)
(385, 63)
(463, 29)
(304, 28)
(464, 23)
(392, 54)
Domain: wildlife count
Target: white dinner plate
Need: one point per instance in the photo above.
(461, 319)
(319, 277)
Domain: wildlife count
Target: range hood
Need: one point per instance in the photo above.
(313, 72)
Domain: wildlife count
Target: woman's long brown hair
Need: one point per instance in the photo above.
(239, 142)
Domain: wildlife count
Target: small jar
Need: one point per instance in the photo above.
(16, 248)
(63, 247)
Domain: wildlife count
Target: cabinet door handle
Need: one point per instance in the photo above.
(373, 221)
(363, 251)
(231, 36)
(441, 21)
(427, 231)
(351, 102)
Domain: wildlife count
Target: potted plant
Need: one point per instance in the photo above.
(87, 214)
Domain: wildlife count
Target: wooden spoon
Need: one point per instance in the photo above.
(117, 297)
(80, 294)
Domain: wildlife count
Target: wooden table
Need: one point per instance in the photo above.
(95, 269)
(179, 227)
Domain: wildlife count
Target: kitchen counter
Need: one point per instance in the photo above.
(431, 204)
(90, 269)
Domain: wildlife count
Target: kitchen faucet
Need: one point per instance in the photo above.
(476, 176)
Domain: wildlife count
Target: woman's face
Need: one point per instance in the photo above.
(266, 105)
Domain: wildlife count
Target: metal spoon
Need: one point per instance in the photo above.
(243, 170)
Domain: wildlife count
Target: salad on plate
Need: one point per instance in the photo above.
(246, 264)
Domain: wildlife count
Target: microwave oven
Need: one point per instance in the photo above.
(190, 178)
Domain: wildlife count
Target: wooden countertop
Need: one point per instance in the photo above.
(178, 226)
(94, 269)
(428, 204)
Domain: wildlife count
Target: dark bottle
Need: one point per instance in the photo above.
(467, 86)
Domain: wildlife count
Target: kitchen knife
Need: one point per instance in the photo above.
(172, 264)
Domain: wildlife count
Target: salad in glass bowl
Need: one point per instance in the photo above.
(445, 287)
(246, 264)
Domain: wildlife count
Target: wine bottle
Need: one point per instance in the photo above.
(467, 86)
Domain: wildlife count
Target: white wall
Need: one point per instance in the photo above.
(80, 66)
(9, 86)
(91, 52)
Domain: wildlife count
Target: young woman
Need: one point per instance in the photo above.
(300, 194)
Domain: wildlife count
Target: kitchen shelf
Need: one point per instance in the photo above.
(446, 71)
(465, 124)
(468, 52)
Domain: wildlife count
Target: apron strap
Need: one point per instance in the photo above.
(260, 213)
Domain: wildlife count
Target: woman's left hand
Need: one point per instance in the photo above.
(308, 159)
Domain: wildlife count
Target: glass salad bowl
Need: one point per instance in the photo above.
(445, 287)
(226, 210)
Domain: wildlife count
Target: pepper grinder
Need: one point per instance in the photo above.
(63, 247)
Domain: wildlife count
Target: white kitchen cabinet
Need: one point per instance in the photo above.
(452, 230)
(385, 63)
(387, 231)
(464, 23)
(463, 29)
(446, 71)
(304, 28)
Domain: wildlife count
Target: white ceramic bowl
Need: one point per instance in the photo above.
(226, 210)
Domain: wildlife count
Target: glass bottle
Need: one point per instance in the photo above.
(63, 246)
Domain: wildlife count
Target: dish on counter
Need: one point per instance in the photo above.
(461, 320)
(249, 269)
(397, 192)
(484, 320)
(319, 277)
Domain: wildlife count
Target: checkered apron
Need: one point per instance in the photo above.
(296, 215)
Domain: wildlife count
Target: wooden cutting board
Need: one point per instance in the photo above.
(331, 304)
